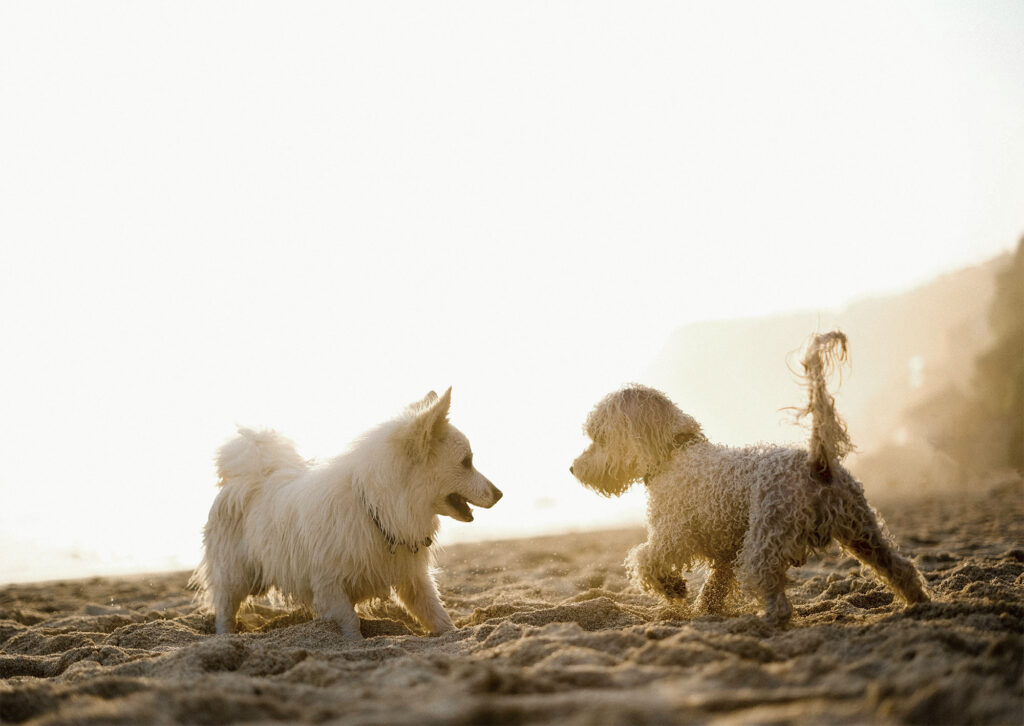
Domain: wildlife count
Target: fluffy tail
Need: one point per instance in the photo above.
(243, 465)
(255, 455)
(830, 441)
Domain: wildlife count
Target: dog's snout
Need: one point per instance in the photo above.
(570, 470)
(495, 494)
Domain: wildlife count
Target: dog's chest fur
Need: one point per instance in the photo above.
(383, 570)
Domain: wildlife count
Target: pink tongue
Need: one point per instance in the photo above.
(458, 503)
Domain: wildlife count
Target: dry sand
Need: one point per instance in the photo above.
(550, 632)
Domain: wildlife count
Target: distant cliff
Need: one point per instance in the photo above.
(733, 375)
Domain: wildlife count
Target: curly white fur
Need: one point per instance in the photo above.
(333, 535)
(748, 513)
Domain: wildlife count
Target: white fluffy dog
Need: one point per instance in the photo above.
(333, 535)
(747, 513)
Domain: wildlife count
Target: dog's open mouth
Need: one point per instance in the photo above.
(458, 503)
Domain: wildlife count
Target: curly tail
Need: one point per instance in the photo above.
(254, 455)
(244, 464)
(830, 441)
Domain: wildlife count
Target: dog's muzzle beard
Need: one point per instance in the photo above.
(612, 477)
(600, 480)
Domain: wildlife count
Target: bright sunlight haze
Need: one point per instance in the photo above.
(306, 216)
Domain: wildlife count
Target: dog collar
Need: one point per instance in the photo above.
(393, 542)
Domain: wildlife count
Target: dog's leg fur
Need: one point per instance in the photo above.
(772, 592)
(226, 600)
(777, 608)
(331, 602)
(763, 562)
(225, 579)
(648, 568)
(222, 576)
(711, 599)
(419, 595)
(862, 536)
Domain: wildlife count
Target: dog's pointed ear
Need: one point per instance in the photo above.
(423, 402)
(431, 423)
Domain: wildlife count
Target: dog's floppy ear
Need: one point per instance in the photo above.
(431, 423)
(686, 430)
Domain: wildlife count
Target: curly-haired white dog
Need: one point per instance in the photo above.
(747, 513)
(331, 536)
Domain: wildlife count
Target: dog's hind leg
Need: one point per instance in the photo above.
(862, 536)
(226, 599)
(712, 595)
(762, 565)
(769, 584)
(766, 577)
(419, 595)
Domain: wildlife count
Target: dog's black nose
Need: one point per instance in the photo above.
(570, 469)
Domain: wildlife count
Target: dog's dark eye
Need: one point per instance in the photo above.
(468, 461)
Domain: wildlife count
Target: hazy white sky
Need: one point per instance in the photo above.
(305, 215)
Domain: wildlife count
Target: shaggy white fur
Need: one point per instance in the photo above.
(747, 513)
(331, 536)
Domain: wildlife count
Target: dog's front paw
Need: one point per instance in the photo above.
(441, 630)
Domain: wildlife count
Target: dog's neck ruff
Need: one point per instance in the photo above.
(393, 542)
(682, 441)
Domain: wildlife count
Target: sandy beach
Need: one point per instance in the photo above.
(551, 632)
